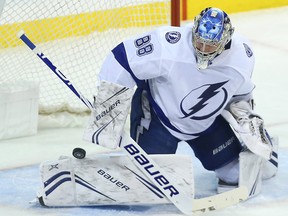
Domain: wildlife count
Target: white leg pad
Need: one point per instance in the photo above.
(111, 179)
(271, 166)
(251, 168)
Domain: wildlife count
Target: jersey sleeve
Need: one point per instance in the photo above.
(243, 61)
(137, 58)
(114, 72)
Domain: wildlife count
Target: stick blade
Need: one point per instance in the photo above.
(220, 201)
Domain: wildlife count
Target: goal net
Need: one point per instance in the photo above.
(76, 35)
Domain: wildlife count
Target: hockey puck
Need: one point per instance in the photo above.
(79, 153)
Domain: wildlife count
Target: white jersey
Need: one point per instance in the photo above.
(189, 99)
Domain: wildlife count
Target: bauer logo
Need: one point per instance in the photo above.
(113, 180)
(151, 170)
(108, 110)
(173, 37)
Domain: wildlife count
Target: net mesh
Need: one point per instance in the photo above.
(76, 35)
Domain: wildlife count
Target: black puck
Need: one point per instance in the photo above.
(79, 153)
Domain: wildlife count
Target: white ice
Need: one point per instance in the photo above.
(267, 29)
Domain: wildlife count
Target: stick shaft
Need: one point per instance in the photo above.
(53, 68)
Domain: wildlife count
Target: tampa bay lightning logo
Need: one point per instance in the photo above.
(248, 50)
(173, 37)
(211, 98)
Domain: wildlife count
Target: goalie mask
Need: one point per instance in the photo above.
(212, 30)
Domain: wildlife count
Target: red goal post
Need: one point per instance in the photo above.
(175, 12)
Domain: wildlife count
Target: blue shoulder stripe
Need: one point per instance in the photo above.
(119, 53)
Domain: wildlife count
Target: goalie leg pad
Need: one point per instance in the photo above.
(251, 170)
(271, 166)
(106, 179)
(107, 120)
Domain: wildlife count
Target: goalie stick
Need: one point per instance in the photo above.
(142, 160)
(220, 201)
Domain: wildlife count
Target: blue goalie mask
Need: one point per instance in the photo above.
(212, 30)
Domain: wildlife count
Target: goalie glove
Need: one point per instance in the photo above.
(107, 120)
(251, 129)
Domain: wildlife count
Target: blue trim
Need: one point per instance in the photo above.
(160, 113)
(116, 94)
(51, 189)
(275, 163)
(77, 180)
(241, 95)
(46, 183)
(119, 53)
(150, 186)
(275, 154)
(92, 188)
(96, 134)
